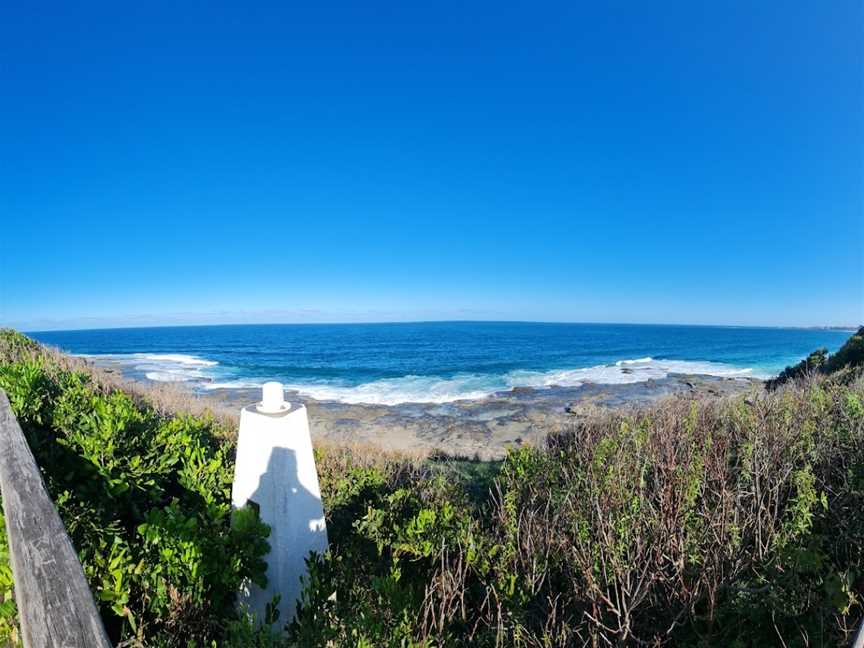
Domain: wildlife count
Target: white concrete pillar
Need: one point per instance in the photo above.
(276, 469)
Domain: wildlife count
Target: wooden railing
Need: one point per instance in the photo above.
(55, 605)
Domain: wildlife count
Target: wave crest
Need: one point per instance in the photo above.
(159, 367)
(434, 389)
(200, 372)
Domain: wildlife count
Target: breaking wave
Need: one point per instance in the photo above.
(433, 389)
(159, 367)
(205, 374)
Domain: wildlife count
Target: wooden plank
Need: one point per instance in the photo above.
(55, 605)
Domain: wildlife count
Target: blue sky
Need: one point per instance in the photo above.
(608, 161)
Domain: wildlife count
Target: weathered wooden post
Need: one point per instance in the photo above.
(275, 469)
(55, 606)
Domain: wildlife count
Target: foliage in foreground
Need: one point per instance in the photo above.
(8, 610)
(145, 499)
(690, 523)
(737, 522)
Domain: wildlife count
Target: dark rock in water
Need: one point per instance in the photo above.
(522, 390)
(626, 370)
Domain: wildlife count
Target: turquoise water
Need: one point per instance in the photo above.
(437, 361)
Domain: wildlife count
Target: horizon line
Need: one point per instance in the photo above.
(851, 328)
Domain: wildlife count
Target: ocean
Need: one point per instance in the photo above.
(436, 362)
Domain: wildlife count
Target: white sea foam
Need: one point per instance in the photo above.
(622, 372)
(175, 367)
(407, 389)
(432, 389)
(235, 384)
(169, 376)
(621, 363)
(159, 367)
(180, 358)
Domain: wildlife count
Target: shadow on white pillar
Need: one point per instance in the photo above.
(275, 469)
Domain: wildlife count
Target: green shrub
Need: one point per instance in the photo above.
(146, 501)
(690, 523)
(813, 363)
(848, 360)
(14, 346)
(851, 354)
(8, 610)
(735, 522)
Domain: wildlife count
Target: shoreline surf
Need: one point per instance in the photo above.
(192, 371)
(432, 363)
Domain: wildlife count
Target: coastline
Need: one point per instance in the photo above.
(487, 427)
(483, 427)
(460, 388)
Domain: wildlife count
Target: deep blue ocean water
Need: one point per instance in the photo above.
(437, 361)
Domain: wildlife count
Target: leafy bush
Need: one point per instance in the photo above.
(145, 499)
(851, 354)
(8, 610)
(812, 364)
(848, 358)
(690, 523)
(734, 522)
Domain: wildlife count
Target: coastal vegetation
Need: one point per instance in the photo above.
(692, 522)
(8, 609)
(848, 358)
(144, 496)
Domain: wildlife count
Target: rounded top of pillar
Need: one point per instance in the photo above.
(272, 399)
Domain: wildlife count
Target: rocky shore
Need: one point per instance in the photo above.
(484, 428)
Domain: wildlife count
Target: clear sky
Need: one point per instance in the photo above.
(688, 162)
